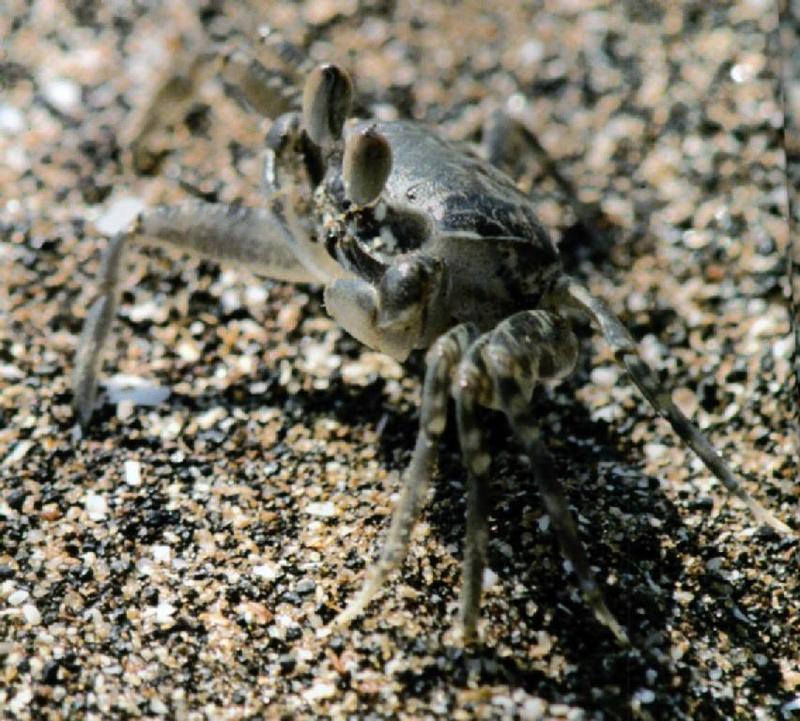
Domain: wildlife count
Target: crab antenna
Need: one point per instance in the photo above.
(327, 97)
(366, 165)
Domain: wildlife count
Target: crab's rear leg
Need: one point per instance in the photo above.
(507, 142)
(477, 460)
(570, 293)
(252, 238)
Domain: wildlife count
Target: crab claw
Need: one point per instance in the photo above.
(354, 304)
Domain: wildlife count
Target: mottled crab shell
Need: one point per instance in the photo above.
(453, 205)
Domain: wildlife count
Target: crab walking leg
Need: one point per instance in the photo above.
(268, 91)
(95, 330)
(502, 137)
(624, 347)
(166, 103)
(501, 370)
(524, 349)
(477, 461)
(441, 360)
(253, 238)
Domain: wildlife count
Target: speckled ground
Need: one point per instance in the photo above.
(790, 76)
(182, 559)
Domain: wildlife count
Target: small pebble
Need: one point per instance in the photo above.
(266, 571)
(490, 578)
(323, 510)
(533, 709)
(17, 598)
(11, 119)
(31, 614)
(96, 506)
(655, 451)
(319, 692)
(133, 473)
(64, 94)
(164, 613)
(162, 554)
(158, 707)
(791, 706)
(605, 377)
(18, 453)
(119, 215)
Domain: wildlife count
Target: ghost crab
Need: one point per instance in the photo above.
(419, 244)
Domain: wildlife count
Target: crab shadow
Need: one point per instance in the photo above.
(638, 544)
(634, 535)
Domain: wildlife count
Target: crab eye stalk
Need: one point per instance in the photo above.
(327, 96)
(366, 165)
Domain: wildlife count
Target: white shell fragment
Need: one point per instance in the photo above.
(120, 213)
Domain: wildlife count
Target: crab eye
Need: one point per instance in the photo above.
(326, 102)
(366, 165)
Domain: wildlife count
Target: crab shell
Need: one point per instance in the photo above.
(442, 201)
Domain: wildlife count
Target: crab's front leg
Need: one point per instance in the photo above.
(256, 239)
(500, 370)
(271, 242)
(441, 360)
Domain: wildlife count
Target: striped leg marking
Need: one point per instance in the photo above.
(524, 349)
(477, 461)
